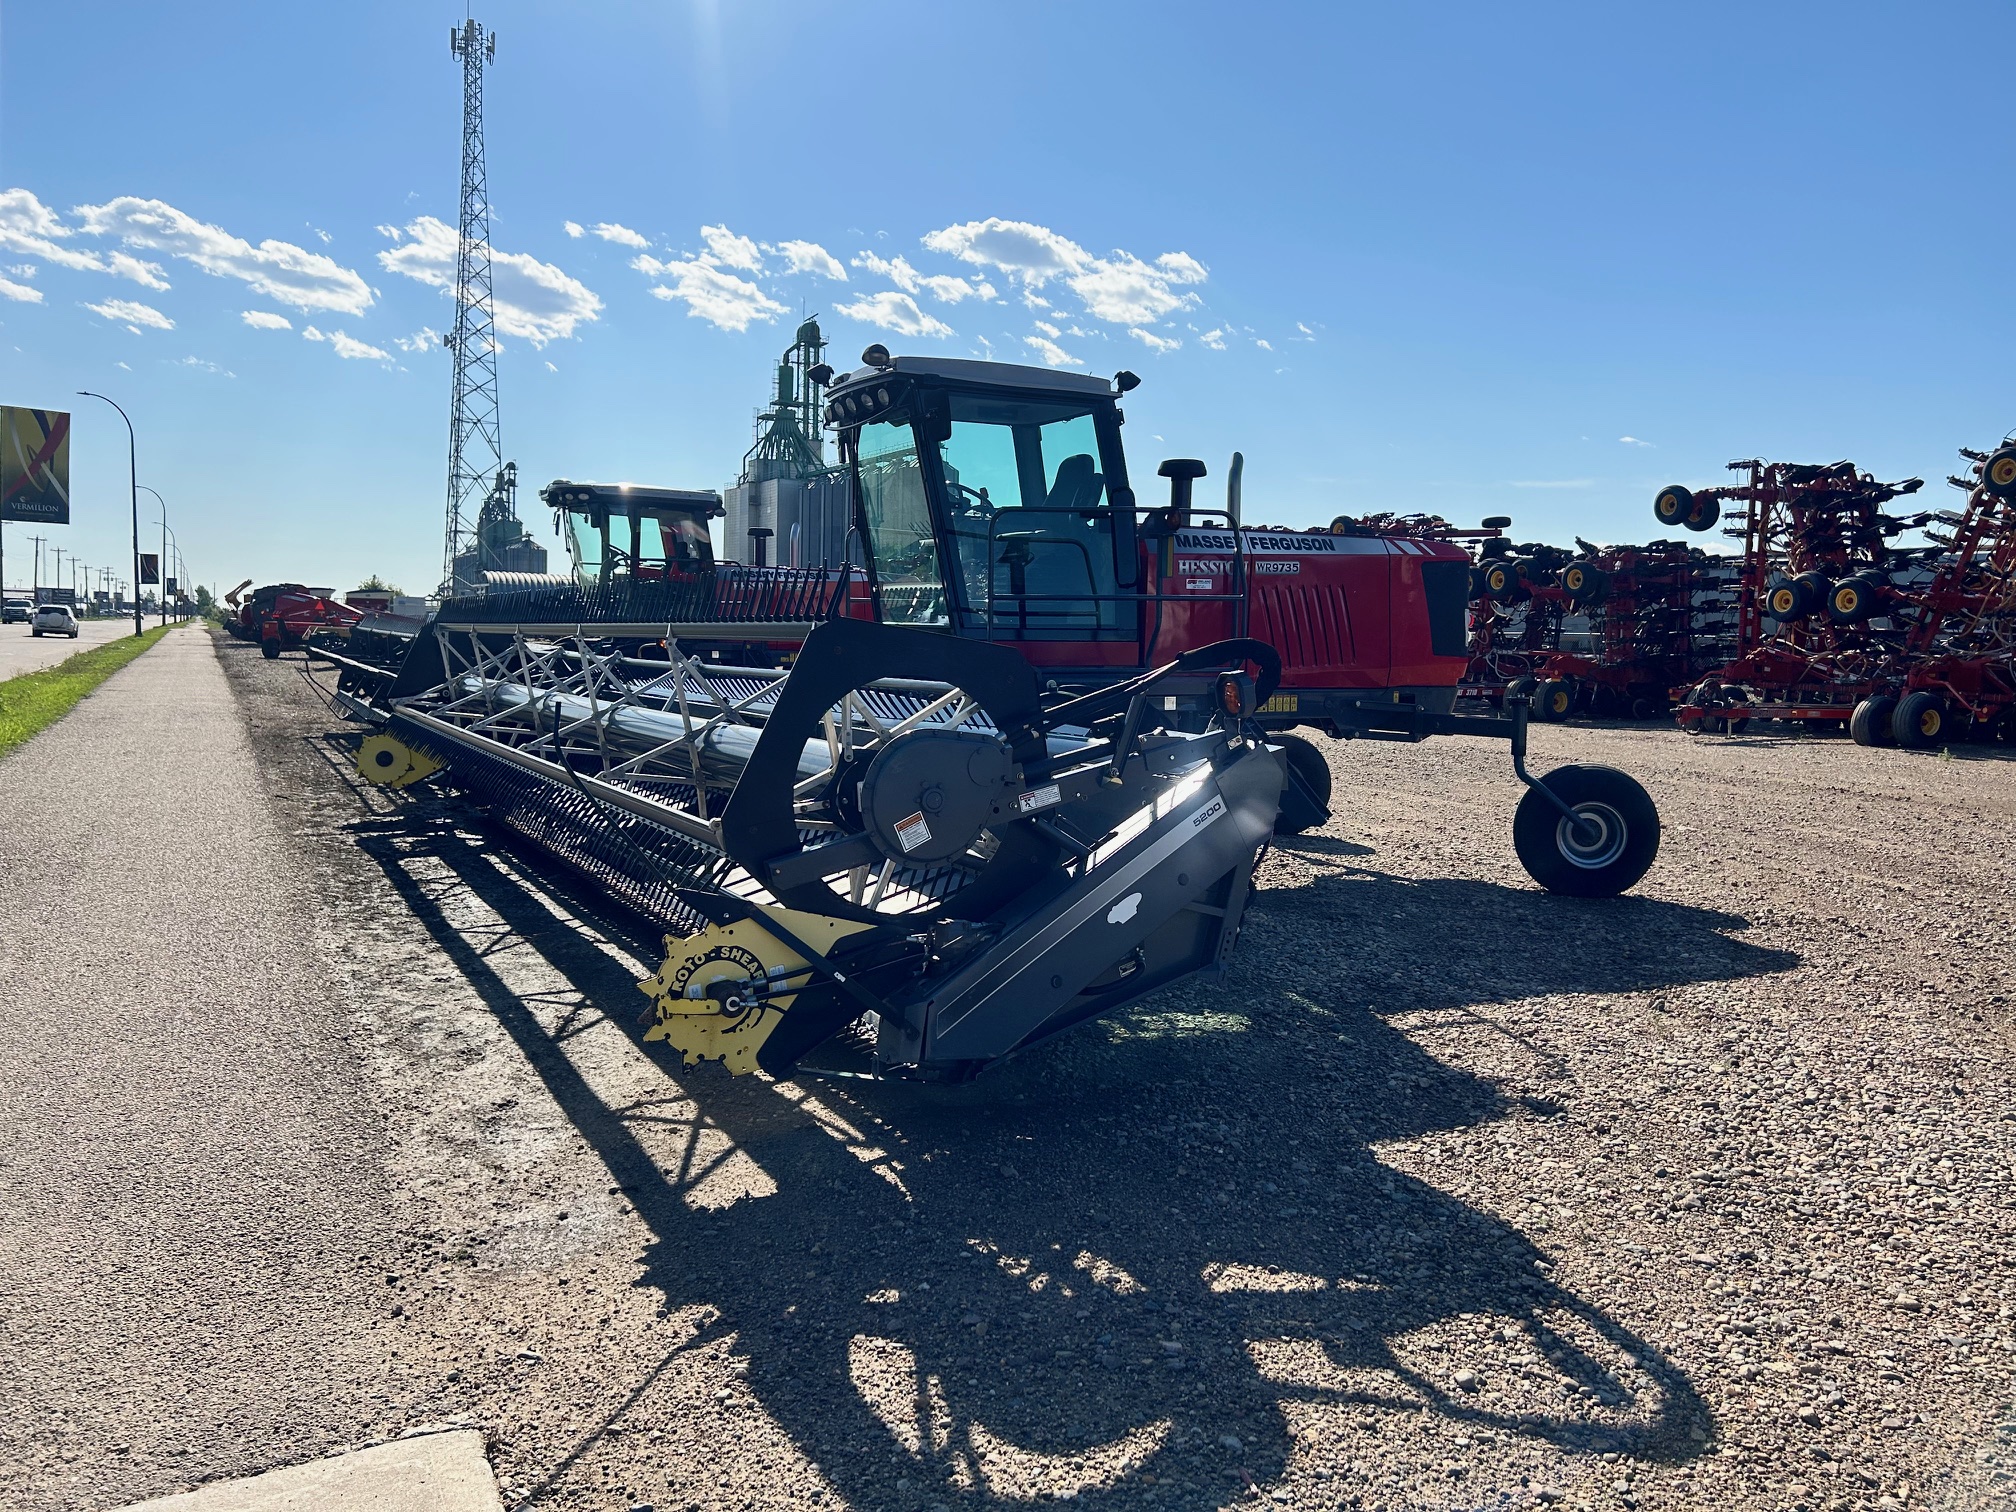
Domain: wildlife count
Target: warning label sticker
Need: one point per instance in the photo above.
(1039, 798)
(912, 832)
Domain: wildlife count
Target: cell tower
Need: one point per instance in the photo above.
(475, 446)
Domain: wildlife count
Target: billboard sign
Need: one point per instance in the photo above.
(170, 585)
(56, 596)
(150, 567)
(34, 465)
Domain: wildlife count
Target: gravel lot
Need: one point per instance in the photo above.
(1459, 1195)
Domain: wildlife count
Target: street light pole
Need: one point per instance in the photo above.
(161, 589)
(133, 480)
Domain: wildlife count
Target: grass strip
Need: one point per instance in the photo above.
(33, 701)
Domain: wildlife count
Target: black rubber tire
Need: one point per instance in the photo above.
(1500, 579)
(1553, 701)
(1672, 506)
(1735, 726)
(1853, 601)
(1869, 725)
(1920, 721)
(1819, 588)
(1998, 473)
(1562, 863)
(1788, 601)
(2005, 727)
(1703, 515)
(1644, 708)
(1308, 764)
(1585, 584)
(270, 650)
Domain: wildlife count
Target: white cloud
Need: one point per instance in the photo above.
(347, 346)
(1214, 339)
(551, 368)
(1048, 329)
(810, 257)
(132, 315)
(145, 274)
(730, 250)
(940, 286)
(326, 237)
(22, 292)
(423, 340)
(894, 312)
(623, 236)
(1034, 254)
(392, 233)
(1307, 334)
(1128, 291)
(1632, 441)
(721, 299)
(265, 320)
(1263, 344)
(202, 366)
(1053, 355)
(532, 299)
(27, 225)
(1121, 289)
(281, 271)
(572, 228)
(1153, 342)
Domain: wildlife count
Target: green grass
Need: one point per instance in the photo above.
(33, 701)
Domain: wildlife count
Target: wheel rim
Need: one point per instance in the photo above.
(1594, 839)
(2003, 472)
(1928, 723)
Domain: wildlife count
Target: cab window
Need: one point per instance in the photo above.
(897, 514)
(1031, 523)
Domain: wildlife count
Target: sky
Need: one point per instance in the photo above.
(1463, 259)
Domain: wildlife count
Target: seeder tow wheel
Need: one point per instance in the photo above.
(1607, 845)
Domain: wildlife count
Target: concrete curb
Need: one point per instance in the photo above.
(435, 1472)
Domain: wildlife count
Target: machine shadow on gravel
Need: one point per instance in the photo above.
(1128, 1259)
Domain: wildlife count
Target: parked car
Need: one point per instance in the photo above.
(54, 619)
(16, 611)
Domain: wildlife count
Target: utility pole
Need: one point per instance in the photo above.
(35, 587)
(475, 446)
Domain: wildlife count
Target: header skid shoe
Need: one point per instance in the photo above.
(903, 833)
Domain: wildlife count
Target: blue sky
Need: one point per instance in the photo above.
(1406, 257)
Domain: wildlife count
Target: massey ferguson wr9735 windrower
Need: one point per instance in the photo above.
(1022, 765)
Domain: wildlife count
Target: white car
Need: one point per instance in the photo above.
(54, 619)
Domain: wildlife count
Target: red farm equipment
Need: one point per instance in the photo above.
(1819, 622)
(282, 616)
(1954, 674)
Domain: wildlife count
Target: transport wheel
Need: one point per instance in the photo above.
(1920, 721)
(1607, 849)
(1520, 687)
(1735, 726)
(2005, 727)
(1787, 602)
(1499, 578)
(1818, 588)
(1852, 601)
(1308, 768)
(270, 650)
(1998, 473)
(1869, 725)
(1702, 515)
(1553, 701)
(1673, 506)
(1643, 708)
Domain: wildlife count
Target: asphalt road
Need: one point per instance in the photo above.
(193, 1204)
(22, 652)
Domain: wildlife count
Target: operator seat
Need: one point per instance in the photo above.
(1078, 484)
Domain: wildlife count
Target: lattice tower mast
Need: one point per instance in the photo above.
(475, 444)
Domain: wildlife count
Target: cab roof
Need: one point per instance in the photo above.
(981, 374)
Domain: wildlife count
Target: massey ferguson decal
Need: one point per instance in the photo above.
(1280, 542)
